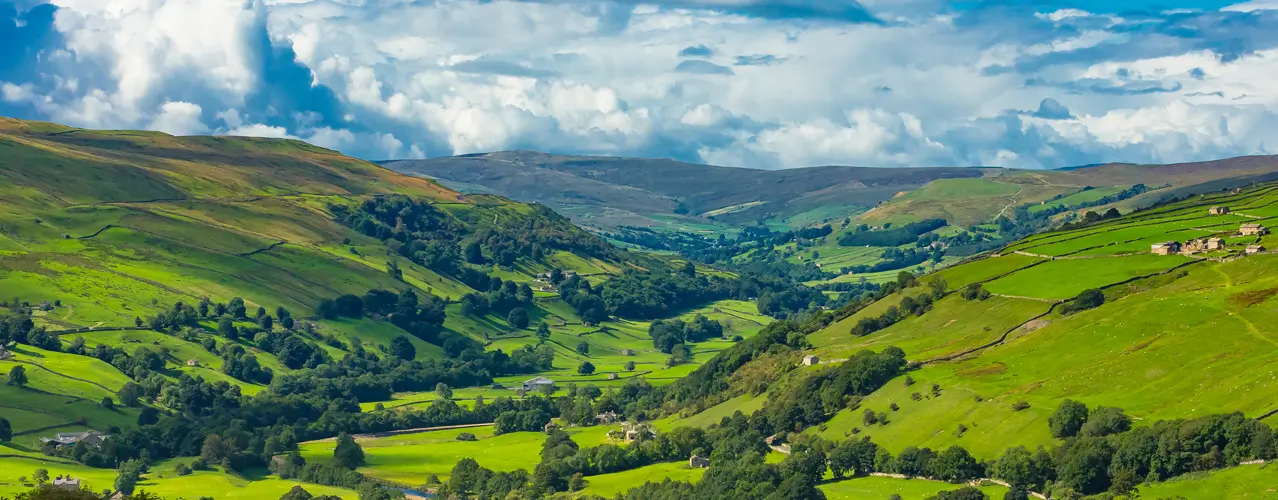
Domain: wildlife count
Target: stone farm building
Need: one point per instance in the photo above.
(1215, 244)
(1166, 248)
(697, 462)
(89, 438)
(537, 383)
(1218, 210)
(1253, 249)
(811, 360)
(1254, 229)
(66, 483)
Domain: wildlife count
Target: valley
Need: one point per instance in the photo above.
(245, 316)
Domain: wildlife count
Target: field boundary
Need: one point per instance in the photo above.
(1051, 309)
(419, 430)
(63, 375)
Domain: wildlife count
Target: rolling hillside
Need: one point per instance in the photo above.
(606, 192)
(1176, 337)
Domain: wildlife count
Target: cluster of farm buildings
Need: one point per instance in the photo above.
(1199, 245)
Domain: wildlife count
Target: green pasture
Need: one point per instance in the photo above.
(1146, 351)
(959, 276)
(161, 480)
(410, 458)
(376, 335)
(953, 325)
(1244, 482)
(59, 409)
(745, 403)
(609, 485)
(878, 488)
(1063, 279)
(1078, 198)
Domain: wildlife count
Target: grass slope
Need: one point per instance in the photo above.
(1176, 345)
(161, 480)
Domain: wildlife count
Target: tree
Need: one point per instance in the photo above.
(955, 465)
(964, 493)
(148, 416)
(518, 318)
(6, 430)
(41, 476)
(1104, 421)
(108, 403)
(630, 366)
(402, 348)
(443, 391)
(236, 308)
(583, 348)
(18, 376)
(348, 453)
(1068, 419)
(543, 333)
(392, 268)
(126, 481)
(226, 328)
(586, 368)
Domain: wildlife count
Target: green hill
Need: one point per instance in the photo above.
(1176, 337)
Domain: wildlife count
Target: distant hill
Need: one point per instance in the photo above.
(595, 187)
(608, 192)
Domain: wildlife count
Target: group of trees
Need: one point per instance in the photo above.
(502, 298)
(422, 316)
(666, 334)
(891, 236)
(895, 258)
(916, 305)
(446, 242)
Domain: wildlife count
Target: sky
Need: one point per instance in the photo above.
(751, 83)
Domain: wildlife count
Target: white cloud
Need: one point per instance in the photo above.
(933, 86)
(179, 118)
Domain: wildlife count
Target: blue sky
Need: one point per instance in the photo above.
(757, 83)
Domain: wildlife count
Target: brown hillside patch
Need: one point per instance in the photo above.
(996, 368)
(1244, 300)
(1141, 345)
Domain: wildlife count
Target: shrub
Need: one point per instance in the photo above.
(466, 436)
(1020, 405)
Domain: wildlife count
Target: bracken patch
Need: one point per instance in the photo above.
(1244, 300)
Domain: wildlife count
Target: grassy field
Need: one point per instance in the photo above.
(161, 480)
(1244, 482)
(963, 202)
(1088, 196)
(1063, 279)
(954, 325)
(1175, 345)
(410, 459)
(609, 485)
(878, 488)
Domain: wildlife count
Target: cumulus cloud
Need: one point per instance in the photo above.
(762, 83)
(179, 118)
